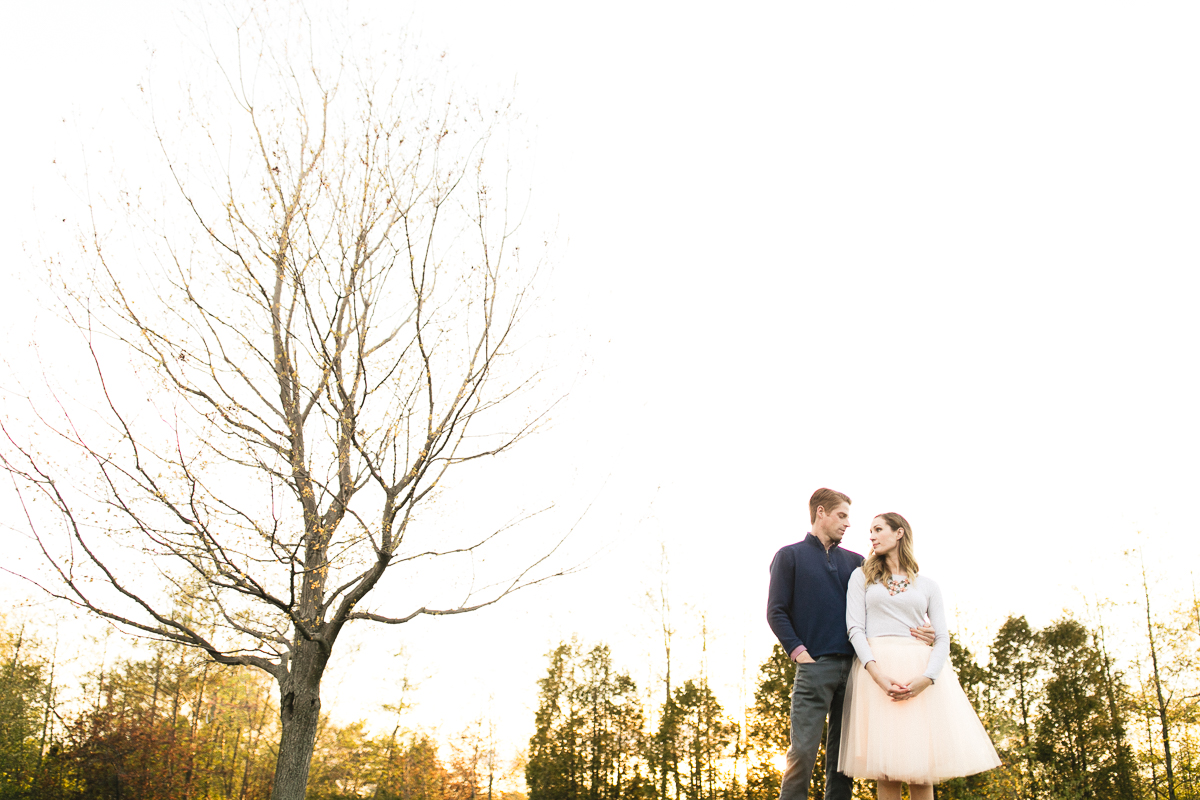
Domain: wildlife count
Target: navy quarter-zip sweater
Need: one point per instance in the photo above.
(806, 604)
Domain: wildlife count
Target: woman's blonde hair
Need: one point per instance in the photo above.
(875, 567)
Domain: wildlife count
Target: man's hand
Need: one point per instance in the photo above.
(805, 658)
(923, 634)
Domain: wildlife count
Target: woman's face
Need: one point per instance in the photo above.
(884, 539)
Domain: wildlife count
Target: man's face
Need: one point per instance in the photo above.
(832, 524)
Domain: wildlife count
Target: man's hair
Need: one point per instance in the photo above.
(827, 499)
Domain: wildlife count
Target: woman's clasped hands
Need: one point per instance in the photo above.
(895, 689)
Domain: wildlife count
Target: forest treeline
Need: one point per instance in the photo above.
(175, 726)
(1067, 721)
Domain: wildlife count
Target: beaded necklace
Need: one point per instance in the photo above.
(896, 585)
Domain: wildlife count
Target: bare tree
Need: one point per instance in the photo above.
(1163, 702)
(319, 342)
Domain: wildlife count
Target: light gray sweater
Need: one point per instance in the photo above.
(871, 612)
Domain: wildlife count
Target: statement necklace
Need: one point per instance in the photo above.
(896, 585)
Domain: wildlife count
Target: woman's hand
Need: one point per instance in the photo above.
(914, 688)
(891, 687)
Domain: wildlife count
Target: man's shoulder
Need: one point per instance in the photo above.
(785, 554)
(790, 548)
(851, 555)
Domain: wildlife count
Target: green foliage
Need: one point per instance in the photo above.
(972, 677)
(699, 736)
(173, 726)
(1177, 642)
(589, 740)
(554, 769)
(23, 695)
(769, 725)
(1053, 706)
(1056, 707)
(1076, 737)
(1056, 711)
(1015, 671)
(975, 681)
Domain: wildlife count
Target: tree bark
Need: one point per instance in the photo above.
(299, 713)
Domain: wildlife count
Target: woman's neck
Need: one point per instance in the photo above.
(893, 563)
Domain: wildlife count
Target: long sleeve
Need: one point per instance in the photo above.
(856, 615)
(941, 635)
(779, 600)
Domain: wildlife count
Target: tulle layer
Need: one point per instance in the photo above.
(931, 738)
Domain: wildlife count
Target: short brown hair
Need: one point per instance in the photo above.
(827, 499)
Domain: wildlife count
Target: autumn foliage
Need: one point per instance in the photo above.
(175, 726)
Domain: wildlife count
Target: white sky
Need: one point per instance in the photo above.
(940, 256)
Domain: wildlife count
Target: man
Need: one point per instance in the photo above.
(806, 608)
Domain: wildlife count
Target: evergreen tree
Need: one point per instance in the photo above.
(1075, 738)
(769, 725)
(976, 683)
(555, 764)
(589, 742)
(665, 754)
(704, 736)
(613, 738)
(1014, 668)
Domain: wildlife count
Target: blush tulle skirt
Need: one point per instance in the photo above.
(931, 738)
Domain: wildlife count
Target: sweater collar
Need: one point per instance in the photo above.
(815, 542)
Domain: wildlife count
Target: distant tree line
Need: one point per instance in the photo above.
(175, 726)
(1068, 724)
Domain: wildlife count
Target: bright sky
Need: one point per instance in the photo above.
(939, 256)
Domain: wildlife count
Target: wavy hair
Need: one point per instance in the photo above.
(875, 567)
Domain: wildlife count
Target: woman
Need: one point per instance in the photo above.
(906, 719)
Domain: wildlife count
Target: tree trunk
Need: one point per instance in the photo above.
(299, 713)
(47, 719)
(1162, 703)
(1124, 770)
(1023, 698)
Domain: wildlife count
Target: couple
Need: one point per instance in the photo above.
(895, 715)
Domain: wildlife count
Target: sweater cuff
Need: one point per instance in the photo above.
(796, 653)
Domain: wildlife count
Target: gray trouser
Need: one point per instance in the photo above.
(819, 690)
